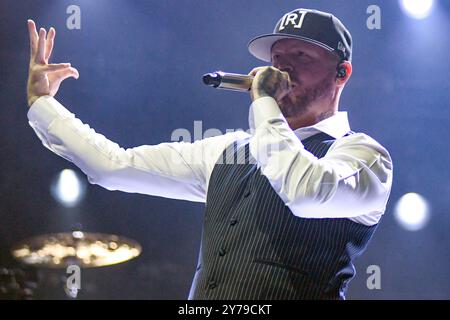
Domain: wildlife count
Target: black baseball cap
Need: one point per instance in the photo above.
(313, 26)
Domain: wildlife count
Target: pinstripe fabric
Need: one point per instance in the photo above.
(253, 247)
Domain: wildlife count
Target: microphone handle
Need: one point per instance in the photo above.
(228, 81)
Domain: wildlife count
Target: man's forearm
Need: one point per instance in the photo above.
(154, 170)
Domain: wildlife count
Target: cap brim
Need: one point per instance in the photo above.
(261, 46)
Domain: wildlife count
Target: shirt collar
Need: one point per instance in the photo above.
(336, 126)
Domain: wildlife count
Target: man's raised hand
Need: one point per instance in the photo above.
(44, 78)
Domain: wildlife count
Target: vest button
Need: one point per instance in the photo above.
(212, 284)
(222, 252)
(233, 222)
(247, 193)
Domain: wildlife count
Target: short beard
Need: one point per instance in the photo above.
(298, 105)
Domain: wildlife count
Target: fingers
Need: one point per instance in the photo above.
(67, 72)
(284, 91)
(270, 81)
(286, 85)
(287, 77)
(41, 47)
(54, 67)
(60, 68)
(40, 54)
(49, 43)
(33, 37)
(285, 82)
(255, 71)
(57, 77)
(273, 70)
(74, 73)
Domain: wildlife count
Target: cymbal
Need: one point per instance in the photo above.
(87, 250)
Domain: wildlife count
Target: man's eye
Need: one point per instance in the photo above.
(301, 53)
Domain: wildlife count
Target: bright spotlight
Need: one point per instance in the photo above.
(412, 211)
(417, 9)
(67, 188)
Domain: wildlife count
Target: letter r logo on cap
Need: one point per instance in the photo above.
(295, 18)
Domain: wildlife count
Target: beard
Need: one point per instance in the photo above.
(300, 101)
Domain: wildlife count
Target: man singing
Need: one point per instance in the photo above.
(288, 205)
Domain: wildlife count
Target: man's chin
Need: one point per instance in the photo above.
(292, 107)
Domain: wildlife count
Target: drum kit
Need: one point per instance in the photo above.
(76, 249)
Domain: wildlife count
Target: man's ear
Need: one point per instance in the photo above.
(344, 71)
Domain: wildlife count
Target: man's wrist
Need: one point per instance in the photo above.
(31, 100)
(259, 94)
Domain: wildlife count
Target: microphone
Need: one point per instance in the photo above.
(229, 81)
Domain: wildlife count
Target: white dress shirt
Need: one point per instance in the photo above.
(353, 180)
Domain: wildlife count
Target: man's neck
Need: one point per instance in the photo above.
(309, 119)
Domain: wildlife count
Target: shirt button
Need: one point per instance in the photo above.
(222, 252)
(233, 222)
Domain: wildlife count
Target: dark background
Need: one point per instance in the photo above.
(140, 65)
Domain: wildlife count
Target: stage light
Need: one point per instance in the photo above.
(412, 211)
(417, 9)
(67, 188)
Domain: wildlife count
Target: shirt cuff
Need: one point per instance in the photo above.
(262, 110)
(46, 109)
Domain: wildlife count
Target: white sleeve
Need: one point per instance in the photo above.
(178, 170)
(353, 179)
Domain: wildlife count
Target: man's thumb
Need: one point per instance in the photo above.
(74, 72)
(60, 76)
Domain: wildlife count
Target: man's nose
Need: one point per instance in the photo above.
(283, 65)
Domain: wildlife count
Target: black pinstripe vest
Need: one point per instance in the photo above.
(253, 247)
